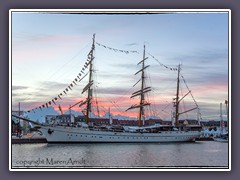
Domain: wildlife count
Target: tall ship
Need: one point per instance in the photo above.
(86, 133)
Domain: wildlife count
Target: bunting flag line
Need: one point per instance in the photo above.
(53, 102)
(59, 97)
(60, 109)
(170, 68)
(116, 50)
(71, 85)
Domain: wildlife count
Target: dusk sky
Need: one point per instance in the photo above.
(49, 50)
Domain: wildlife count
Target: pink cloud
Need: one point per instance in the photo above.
(45, 47)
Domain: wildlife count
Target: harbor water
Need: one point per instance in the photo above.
(200, 154)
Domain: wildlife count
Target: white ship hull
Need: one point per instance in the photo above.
(81, 135)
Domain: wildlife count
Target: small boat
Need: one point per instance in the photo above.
(223, 137)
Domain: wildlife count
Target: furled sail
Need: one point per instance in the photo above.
(138, 106)
(140, 92)
(87, 86)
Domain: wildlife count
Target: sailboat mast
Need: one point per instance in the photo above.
(141, 109)
(89, 97)
(177, 99)
(141, 92)
(226, 102)
(221, 118)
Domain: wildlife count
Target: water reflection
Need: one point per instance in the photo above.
(203, 154)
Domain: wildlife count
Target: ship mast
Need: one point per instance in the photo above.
(141, 92)
(177, 100)
(90, 81)
(141, 110)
